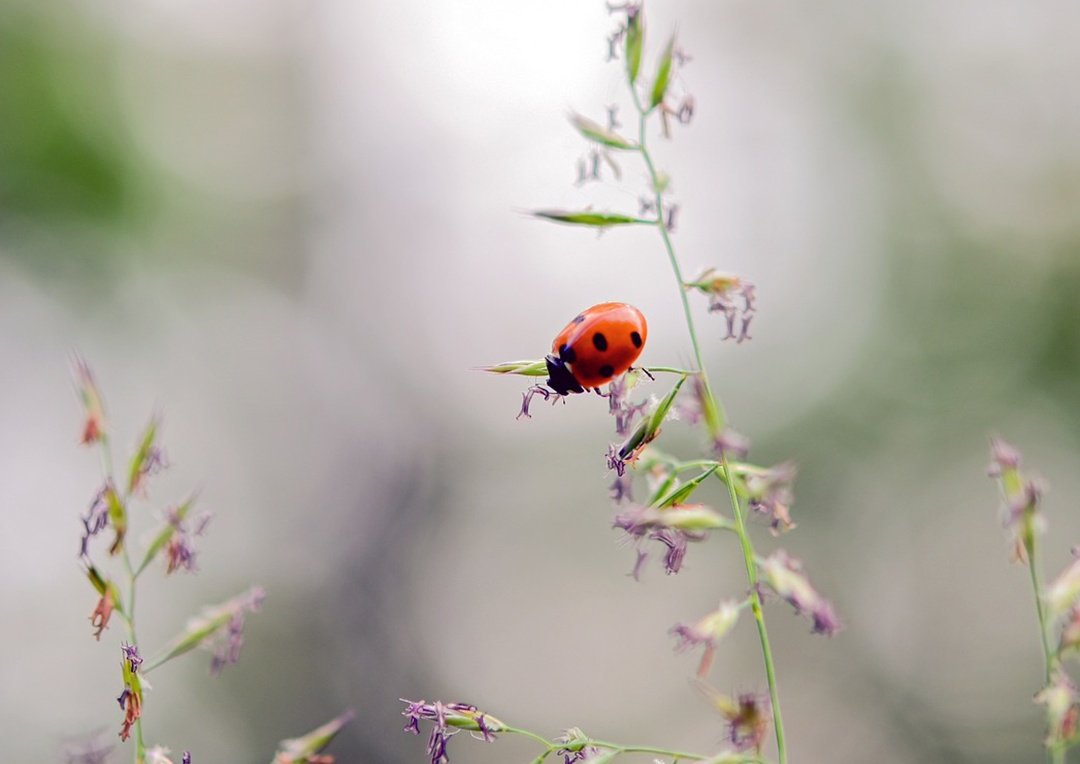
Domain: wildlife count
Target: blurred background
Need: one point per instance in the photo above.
(291, 229)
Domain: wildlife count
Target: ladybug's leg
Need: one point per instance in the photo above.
(644, 371)
(527, 396)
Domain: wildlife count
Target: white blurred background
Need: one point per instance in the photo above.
(293, 228)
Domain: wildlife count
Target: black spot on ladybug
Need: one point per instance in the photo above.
(579, 318)
(567, 354)
(636, 339)
(607, 370)
(600, 341)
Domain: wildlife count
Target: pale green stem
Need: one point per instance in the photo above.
(744, 538)
(129, 611)
(1044, 627)
(621, 749)
(140, 745)
(1054, 754)
(759, 616)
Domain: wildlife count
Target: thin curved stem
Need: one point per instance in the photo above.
(1044, 631)
(759, 617)
(128, 612)
(1054, 754)
(554, 747)
(648, 749)
(140, 745)
(538, 738)
(736, 507)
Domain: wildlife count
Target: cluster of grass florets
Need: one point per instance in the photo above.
(123, 501)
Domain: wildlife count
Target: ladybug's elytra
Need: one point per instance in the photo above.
(598, 345)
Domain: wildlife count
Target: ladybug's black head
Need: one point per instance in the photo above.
(560, 378)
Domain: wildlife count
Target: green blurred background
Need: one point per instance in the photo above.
(292, 227)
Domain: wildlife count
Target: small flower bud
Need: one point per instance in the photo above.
(733, 443)
(649, 427)
(678, 494)
(589, 218)
(1020, 498)
(220, 626)
(600, 134)
(730, 295)
(1062, 709)
(680, 517)
(94, 521)
(147, 460)
(448, 719)
(783, 574)
(619, 405)
(177, 538)
(306, 749)
(524, 368)
(130, 699)
(663, 75)
(108, 601)
(158, 755)
(1070, 633)
(1064, 592)
(747, 715)
(707, 633)
(635, 41)
(106, 509)
(710, 629)
(674, 527)
(770, 494)
(573, 739)
(703, 405)
(94, 411)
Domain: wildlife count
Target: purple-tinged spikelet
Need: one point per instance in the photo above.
(447, 720)
(783, 574)
(1062, 702)
(1021, 497)
(674, 527)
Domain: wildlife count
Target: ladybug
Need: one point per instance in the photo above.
(598, 345)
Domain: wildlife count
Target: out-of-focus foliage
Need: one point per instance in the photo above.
(66, 161)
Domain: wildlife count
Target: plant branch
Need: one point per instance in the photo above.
(744, 538)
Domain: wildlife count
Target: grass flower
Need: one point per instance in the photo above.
(107, 603)
(673, 527)
(729, 295)
(783, 574)
(447, 719)
(308, 749)
(707, 632)
(1062, 703)
(148, 460)
(770, 493)
(158, 755)
(219, 628)
(1021, 498)
(93, 429)
(1063, 592)
(130, 698)
(710, 629)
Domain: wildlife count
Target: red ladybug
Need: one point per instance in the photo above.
(598, 345)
